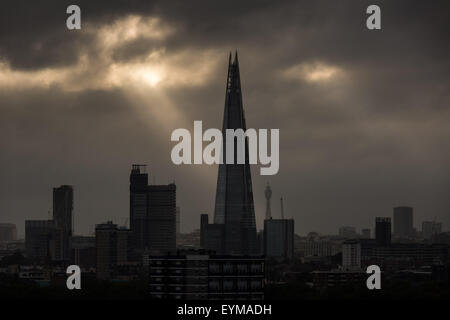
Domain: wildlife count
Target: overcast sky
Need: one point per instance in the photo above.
(363, 115)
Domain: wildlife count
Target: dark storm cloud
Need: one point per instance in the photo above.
(351, 148)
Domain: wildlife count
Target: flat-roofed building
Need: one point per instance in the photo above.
(197, 275)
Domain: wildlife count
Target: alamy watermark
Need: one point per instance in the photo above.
(234, 143)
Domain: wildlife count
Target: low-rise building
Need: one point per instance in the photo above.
(198, 276)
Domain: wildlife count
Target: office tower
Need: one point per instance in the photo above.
(268, 195)
(430, 229)
(63, 215)
(211, 235)
(139, 206)
(234, 206)
(152, 213)
(351, 254)
(162, 218)
(8, 232)
(42, 240)
(112, 245)
(178, 220)
(365, 233)
(383, 231)
(279, 238)
(347, 232)
(403, 222)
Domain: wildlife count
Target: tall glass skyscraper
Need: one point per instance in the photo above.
(234, 208)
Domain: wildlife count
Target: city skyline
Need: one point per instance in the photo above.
(363, 116)
(418, 226)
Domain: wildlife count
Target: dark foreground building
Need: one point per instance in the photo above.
(152, 213)
(279, 238)
(234, 213)
(200, 276)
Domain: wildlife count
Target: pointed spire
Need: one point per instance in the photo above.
(230, 67)
(235, 210)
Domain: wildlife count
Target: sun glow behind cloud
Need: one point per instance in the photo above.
(315, 72)
(98, 69)
(144, 80)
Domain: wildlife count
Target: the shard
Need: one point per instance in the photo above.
(234, 208)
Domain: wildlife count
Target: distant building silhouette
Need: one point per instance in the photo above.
(279, 238)
(430, 229)
(351, 254)
(63, 217)
(314, 246)
(400, 256)
(84, 251)
(42, 240)
(365, 233)
(8, 232)
(234, 213)
(383, 231)
(403, 222)
(347, 232)
(152, 213)
(112, 244)
(189, 240)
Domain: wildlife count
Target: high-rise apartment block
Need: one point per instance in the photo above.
(152, 213)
